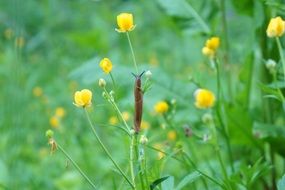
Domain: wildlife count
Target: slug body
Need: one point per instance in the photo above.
(138, 94)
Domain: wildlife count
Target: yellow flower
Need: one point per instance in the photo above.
(204, 98)
(276, 27)
(59, 112)
(213, 43)
(145, 125)
(37, 91)
(211, 46)
(126, 115)
(125, 22)
(113, 120)
(83, 98)
(54, 122)
(171, 135)
(106, 65)
(208, 52)
(161, 107)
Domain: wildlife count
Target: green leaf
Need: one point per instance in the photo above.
(273, 134)
(168, 184)
(182, 9)
(157, 182)
(281, 183)
(188, 179)
(270, 91)
(244, 6)
(277, 84)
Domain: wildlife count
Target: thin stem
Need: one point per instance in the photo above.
(219, 114)
(132, 51)
(281, 55)
(138, 160)
(144, 167)
(113, 81)
(224, 171)
(218, 152)
(106, 151)
(225, 28)
(76, 166)
(278, 89)
(117, 110)
(132, 160)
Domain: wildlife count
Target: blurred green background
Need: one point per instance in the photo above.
(51, 48)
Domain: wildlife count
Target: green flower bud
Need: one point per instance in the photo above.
(49, 133)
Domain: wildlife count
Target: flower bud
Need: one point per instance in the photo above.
(106, 65)
(207, 118)
(148, 74)
(143, 139)
(270, 64)
(102, 83)
(104, 95)
(49, 133)
(132, 132)
(276, 27)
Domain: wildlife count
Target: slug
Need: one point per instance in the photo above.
(138, 94)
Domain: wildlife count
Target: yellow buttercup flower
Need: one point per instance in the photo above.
(83, 98)
(59, 112)
(204, 98)
(106, 65)
(161, 107)
(213, 43)
(54, 122)
(171, 135)
(211, 46)
(125, 22)
(276, 27)
(208, 52)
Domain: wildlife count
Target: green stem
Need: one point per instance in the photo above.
(137, 159)
(106, 151)
(219, 114)
(132, 51)
(218, 152)
(144, 167)
(225, 28)
(281, 55)
(76, 166)
(278, 89)
(132, 160)
(117, 110)
(113, 81)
